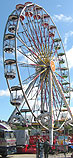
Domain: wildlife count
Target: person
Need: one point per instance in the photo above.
(46, 148)
(37, 149)
(72, 155)
(39, 146)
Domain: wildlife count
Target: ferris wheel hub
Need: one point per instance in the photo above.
(52, 65)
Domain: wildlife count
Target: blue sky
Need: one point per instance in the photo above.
(61, 12)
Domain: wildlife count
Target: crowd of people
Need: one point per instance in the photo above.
(44, 148)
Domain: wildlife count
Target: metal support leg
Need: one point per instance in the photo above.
(51, 110)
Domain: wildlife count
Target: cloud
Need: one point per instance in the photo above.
(22, 58)
(1, 61)
(67, 36)
(4, 92)
(63, 18)
(59, 6)
(69, 55)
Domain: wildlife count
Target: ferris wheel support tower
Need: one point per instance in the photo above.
(51, 110)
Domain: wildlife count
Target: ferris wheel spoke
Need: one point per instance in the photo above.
(33, 38)
(23, 64)
(30, 38)
(64, 87)
(40, 85)
(46, 92)
(56, 92)
(37, 36)
(28, 90)
(45, 48)
(56, 49)
(57, 96)
(35, 94)
(44, 28)
(35, 26)
(55, 100)
(29, 48)
(40, 73)
(35, 86)
(34, 31)
(22, 51)
(34, 76)
(50, 48)
(31, 77)
(33, 53)
(60, 76)
(54, 53)
(31, 87)
(41, 39)
(62, 94)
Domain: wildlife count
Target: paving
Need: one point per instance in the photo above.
(34, 156)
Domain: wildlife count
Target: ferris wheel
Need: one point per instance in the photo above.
(35, 66)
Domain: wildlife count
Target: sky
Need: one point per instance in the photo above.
(61, 11)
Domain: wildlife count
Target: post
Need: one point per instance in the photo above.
(42, 104)
(64, 143)
(51, 122)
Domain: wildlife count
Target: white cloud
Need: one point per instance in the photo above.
(72, 84)
(4, 92)
(59, 5)
(69, 55)
(1, 61)
(71, 95)
(63, 18)
(67, 36)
